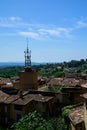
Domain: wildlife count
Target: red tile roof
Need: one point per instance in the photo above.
(3, 96)
(77, 115)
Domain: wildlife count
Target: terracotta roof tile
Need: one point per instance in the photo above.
(29, 97)
(41, 98)
(84, 95)
(66, 81)
(11, 99)
(3, 96)
(23, 100)
(77, 115)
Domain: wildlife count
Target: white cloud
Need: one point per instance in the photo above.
(81, 24)
(57, 32)
(29, 34)
(10, 22)
(49, 32)
(38, 31)
(10, 19)
(46, 33)
(15, 18)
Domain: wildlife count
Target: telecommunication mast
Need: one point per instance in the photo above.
(27, 56)
(28, 77)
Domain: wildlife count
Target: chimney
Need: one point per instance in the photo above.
(21, 94)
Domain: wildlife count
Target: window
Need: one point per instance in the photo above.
(18, 107)
(6, 120)
(6, 110)
(18, 117)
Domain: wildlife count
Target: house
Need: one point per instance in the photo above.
(72, 94)
(66, 82)
(22, 106)
(4, 81)
(8, 110)
(30, 102)
(84, 96)
(76, 117)
(14, 107)
(45, 105)
(9, 89)
(16, 82)
(3, 97)
(5, 107)
(71, 89)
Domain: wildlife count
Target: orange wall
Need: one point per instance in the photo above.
(28, 80)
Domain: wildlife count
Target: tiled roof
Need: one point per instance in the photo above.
(29, 97)
(23, 100)
(7, 85)
(84, 95)
(3, 96)
(41, 98)
(66, 81)
(84, 85)
(76, 115)
(11, 99)
(4, 80)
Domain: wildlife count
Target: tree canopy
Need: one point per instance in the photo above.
(32, 121)
(35, 121)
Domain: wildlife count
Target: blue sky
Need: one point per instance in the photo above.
(56, 30)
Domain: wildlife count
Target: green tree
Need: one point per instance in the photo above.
(59, 74)
(32, 121)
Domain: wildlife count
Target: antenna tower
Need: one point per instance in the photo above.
(27, 56)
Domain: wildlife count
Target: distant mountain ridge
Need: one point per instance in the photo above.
(7, 64)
